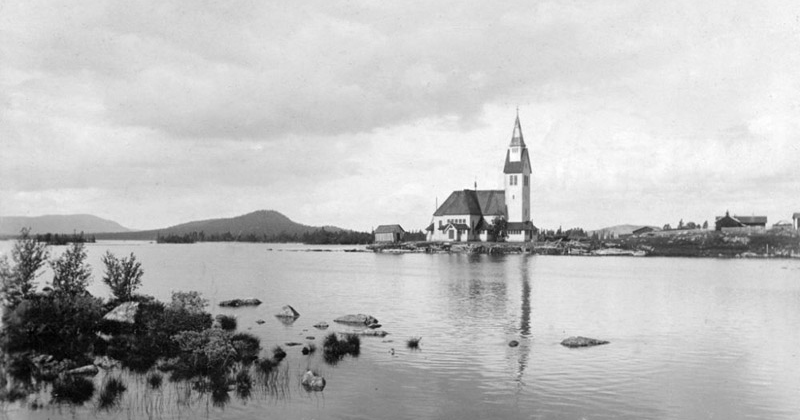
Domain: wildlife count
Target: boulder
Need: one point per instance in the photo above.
(292, 344)
(125, 313)
(106, 362)
(312, 382)
(235, 303)
(582, 342)
(513, 343)
(321, 325)
(287, 312)
(373, 333)
(360, 319)
(260, 321)
(89, 370)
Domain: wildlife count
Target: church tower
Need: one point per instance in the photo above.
(517, 175)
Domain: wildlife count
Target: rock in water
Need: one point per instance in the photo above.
(582, 342)
(357, 319)
(235, 303)
(312, 382)
(89, 370)
(321, 325)
(373, 333)
(513, 343)
(125, 312)
(287, 312)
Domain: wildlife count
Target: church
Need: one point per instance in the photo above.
(468, 215)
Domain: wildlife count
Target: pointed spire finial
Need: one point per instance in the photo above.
(516, 137)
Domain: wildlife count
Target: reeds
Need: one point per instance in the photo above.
(413, 342)
(335, 349)
(113, 388)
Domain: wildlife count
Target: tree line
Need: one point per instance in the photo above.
(317, 237)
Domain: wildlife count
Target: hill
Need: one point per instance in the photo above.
(68, 223)
(262, 223)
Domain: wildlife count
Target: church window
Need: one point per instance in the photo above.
(525, 180)
(451, 234)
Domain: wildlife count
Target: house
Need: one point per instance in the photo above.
(796, 220)
(470, 215)
(389, 233)
(751, 222)
(643, 230)
(783, 225)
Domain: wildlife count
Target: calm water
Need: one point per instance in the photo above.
(690, 338)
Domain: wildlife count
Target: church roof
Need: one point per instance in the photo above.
(516, 167)
(516, 137)
(474, 202)
(520, 226)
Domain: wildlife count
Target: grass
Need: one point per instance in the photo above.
(335, 349)
(154, 380)
(413, 342)
(226, 322)
(266, 366)
(278, 353)
(75, 390)
(113, 388)
(244, 384)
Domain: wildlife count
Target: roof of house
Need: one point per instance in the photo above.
(783, 223)
(430, 227)
(389, 229)
(517, 167)
(472, 202)
(751, 220)
(520, 226)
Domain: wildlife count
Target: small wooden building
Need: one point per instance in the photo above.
(796, 220)
(389, 233)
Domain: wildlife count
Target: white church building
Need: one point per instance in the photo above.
(468, 215)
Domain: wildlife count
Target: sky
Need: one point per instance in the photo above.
(361, 113)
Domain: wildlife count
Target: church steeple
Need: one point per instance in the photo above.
(516, 137)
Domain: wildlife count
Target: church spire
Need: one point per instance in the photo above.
(516, 138)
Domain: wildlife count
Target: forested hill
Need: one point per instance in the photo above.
(258, 226)
(62, 223)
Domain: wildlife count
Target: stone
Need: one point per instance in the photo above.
(293, 343)
(125, 313)
(235, 303)
(88, 370)
(321, 325)
(287, 312)
(260, 321)
(361, 319)
(373, 333)
(513, 343)
(582, 342)
(374, 326)
(312, 381)
(310, 337)
(105, 362)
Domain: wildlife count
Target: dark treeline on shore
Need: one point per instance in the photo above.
(317, 237)
(65, 238)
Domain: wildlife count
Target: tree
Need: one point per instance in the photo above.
(28, 256)
(71, 274)
(123, 275)
(499, 229)
(680, 225)
(705, 224)
(667, 227)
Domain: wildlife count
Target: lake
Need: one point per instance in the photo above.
(689, 338)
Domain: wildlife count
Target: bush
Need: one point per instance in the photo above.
(226, 322)
(72, 389)
(244, 384)
(188, 301)
(278, 353)
(335, 349)
(113, 388)
(247, 347)
(266, 366)
(154, 380)
(208, 352)
(413, 342)
(57, 325)
(123, 275)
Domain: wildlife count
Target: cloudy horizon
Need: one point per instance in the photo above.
(356, 113)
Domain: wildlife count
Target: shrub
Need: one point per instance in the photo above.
(278, 353)
(266, 366)
(247, 347)
(188, 301)
(154, 380)
(244, 384)
(72, 389)
(123, 275)
(71, 274)
(208, 352)
(113, 388)
(226, 322)
(335, 349)
(413, 342)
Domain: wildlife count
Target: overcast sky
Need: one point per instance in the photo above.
(357, 114)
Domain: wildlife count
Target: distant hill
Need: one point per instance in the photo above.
(260, 223)
(616, 230)
(67, 223)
